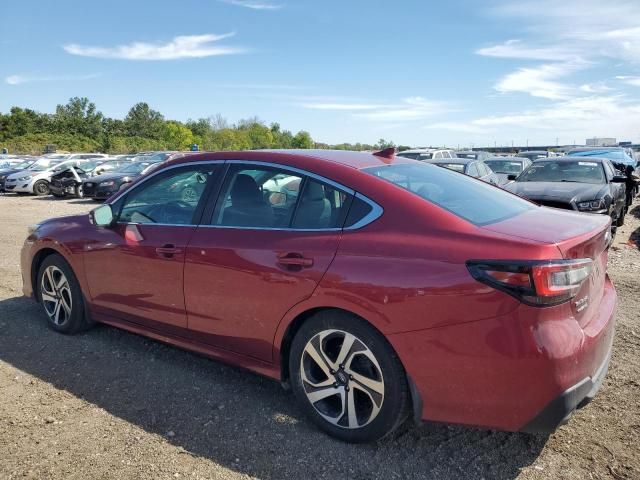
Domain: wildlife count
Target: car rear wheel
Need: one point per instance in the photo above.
(60, 296)
(620, 219)
(41, 188)
(347, 378)
(78, 191)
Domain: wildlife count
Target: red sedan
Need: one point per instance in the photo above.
(376, 287)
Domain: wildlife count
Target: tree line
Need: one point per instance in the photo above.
(79, 126)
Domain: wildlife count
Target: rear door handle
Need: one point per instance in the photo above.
(168, 251)
(295, 260)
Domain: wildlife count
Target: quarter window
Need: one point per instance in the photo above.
(170, 198)
(320, 206)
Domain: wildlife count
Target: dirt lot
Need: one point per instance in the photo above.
(107, 404)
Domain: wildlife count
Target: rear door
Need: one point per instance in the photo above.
(268, 241)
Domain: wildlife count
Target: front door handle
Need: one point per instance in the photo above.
(295, 260)
(168, 251)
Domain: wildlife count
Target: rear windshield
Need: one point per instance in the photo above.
(564, 171)
(456, 167)
(505, 166)
(473, 200)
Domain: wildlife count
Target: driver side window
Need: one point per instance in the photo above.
(170, 198)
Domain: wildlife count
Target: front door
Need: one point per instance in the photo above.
(270, 240)
(135, 269)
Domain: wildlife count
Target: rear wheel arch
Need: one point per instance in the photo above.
(38, 258)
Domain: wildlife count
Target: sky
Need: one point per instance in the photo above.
(456, 73)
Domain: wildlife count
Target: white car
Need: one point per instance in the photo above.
(427, 153)
(35, 180)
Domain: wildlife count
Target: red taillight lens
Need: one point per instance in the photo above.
(539, 283)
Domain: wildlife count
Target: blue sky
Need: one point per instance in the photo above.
(451, 73)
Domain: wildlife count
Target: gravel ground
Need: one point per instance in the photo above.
(108, 404)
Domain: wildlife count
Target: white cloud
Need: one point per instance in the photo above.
(629, 79)
(516, 49)
(342, 106)
(20, 79)
(460, 127)
(186, 46)
(254, 4)
(540, 81)
(409, 109)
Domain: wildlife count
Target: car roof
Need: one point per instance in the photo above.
(506, 159)
(425, 150)
(537, 152)
(356, 160)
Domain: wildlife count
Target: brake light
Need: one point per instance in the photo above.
(538, 283)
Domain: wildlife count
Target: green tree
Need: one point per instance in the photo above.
(177, 136)
(302, 139)
(79, 116)
(143, 121)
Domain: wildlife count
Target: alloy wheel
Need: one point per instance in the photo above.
(342, 379)
(56, 295)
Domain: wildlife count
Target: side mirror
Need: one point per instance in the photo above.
(102, 216)
(619, 179)
(512, 176)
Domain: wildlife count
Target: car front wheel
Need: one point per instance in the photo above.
(347, 378)
(41, 188)
(60, 296)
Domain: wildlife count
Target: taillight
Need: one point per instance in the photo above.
(538, 283)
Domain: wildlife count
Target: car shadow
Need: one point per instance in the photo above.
(223, 413)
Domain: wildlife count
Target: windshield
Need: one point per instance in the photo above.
(456, 167)
(564, 171)
(160, 156)
(135, 167)
(472, 200)
(505, 166)
(42, 164)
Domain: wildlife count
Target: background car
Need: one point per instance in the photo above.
(427, 154)
(68, 181)
(507, 168)
(587, 185)
(103, 186)
(533, 154)
(11, 169)
(112, 165)
(473, 168)
(473, 154)
(33, 180)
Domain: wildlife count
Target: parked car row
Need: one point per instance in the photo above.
(64, 175)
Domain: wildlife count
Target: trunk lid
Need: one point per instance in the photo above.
(577, 236)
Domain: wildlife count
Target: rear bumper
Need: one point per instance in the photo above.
(560, 409)
(523, 371)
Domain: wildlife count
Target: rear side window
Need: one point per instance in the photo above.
(358, 211)
(476, 202)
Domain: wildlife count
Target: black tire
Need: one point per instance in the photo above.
(78, 191)
(620, 219)
(390, 378)
(75, 321)
(41, 188)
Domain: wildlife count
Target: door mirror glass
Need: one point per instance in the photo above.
(512, 176)
(102, 216)
(619, 179)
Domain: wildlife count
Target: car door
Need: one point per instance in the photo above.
(618, 190)
(135, 268)
(268, 242)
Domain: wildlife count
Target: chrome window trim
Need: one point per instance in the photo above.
(376, 210)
